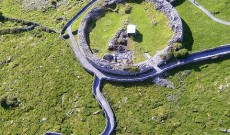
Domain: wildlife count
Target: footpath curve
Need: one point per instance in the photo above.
(208, 13)
(100, 75)
(110, 118)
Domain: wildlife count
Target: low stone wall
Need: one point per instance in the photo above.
(111, 2)
(30, 26)
(175, 23)
(165, 7)
(16, 30)
(143, 67)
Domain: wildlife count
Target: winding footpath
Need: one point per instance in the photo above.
(110, 118)
(99, 76)
(208, 13)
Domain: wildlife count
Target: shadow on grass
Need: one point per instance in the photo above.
(145, 83)
(187, 37)
(134, 1)
(178, 3)
(2, 19)
(67, 36)
(138, 37)
(91, 26)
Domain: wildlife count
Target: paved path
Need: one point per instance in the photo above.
(110, 119)
(208, 13)
(77, 16)
(154, 65)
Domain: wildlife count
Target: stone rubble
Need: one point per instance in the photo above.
(163, 82)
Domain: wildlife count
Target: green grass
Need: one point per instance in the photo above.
(221, 6)
(151, 38)
(197, 106)
(76, 24)
(13, 8)
(42, 73)
(201, 32)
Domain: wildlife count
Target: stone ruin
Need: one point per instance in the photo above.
(115, 62)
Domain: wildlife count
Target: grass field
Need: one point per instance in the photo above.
(150, 38)
(196, 106)
(47, 16)
(50, 84)
(201, 32)
(221, 6)
(8, 25)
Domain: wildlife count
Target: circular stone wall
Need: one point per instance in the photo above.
(165, 7)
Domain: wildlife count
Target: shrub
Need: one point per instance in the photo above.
(170, 51)
(177, 46)
(181, 53)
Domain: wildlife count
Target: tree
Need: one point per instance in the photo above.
(182, 53)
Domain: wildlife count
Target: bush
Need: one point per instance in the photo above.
(170, 51)
(181, 53)
(177, 46)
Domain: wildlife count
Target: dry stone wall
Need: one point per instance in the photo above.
(165, 7)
